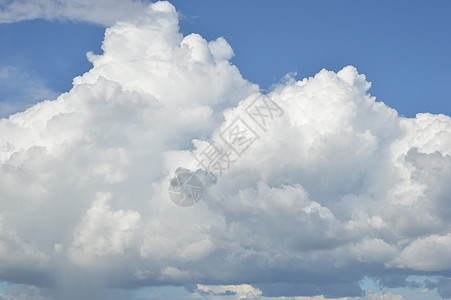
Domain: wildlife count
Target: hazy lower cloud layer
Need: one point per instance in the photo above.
(334, 187)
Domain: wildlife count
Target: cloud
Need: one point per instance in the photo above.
(327, 186)
(242, 291)
(246, 291)
(105, 12)
(18, 292)
(383, 296)
(21, 89)
(422, 253)
(103, 232)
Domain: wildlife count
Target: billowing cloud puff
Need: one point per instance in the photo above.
(315, 184)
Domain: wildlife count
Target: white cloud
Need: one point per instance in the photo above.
(336, 187)
(246, 291)
(103, 232)
(243, 291)
(383, 296)
(429, 254)
(15, 253)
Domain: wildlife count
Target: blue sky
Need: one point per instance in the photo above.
(339, 197)
(403, 47)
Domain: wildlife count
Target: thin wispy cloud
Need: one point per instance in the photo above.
(22, 89)
(104, 12)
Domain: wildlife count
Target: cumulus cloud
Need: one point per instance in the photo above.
(327, 186)
(422, 253)
(242, 291)
(246, 291)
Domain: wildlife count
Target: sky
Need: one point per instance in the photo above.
(402, 47)
(329, 123)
